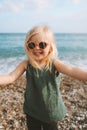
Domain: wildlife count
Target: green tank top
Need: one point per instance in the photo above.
(43, 100)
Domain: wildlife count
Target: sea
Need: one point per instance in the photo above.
(72, 50)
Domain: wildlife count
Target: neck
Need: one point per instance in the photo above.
(40, 62)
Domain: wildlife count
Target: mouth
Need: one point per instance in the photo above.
(38, 53)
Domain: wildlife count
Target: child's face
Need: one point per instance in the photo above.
(41, 47)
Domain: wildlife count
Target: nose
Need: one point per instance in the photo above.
(37, 47)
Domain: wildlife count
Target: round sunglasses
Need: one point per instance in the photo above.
(32, 45)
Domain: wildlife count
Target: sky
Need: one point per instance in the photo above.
(63, 16)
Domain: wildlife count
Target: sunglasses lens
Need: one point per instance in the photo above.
(31, 45)
(42, 45)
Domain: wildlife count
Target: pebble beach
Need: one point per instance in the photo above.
(74, 94)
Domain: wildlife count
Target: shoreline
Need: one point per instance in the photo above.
(74, 94)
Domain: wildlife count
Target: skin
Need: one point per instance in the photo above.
(38, 55)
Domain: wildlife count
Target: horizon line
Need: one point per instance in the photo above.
(53, 32)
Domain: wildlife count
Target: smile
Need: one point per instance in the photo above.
(37, 53)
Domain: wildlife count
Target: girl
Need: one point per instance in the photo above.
(43, 103)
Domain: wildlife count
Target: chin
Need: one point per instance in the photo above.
(38, 58)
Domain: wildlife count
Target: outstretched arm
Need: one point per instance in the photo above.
(74, 72)
(11, 77)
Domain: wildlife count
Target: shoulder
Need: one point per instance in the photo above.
(59, 65)
(62, 67)
(24, 64)
(57, 62)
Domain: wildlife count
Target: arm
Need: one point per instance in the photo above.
(74, 72)
(11, 77)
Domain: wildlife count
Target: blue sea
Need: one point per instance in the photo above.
(72, 49)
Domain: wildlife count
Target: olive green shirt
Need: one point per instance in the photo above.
(43, 100)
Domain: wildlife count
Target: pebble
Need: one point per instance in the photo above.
(1, 127)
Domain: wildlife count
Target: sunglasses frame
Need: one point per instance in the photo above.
(42, 45)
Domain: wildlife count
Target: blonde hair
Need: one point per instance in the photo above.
(52, 55)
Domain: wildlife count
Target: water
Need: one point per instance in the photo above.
(72, 49)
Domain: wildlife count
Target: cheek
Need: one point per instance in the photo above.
(29, 52)
(47, 50)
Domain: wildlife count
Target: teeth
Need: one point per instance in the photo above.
(37, 52)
